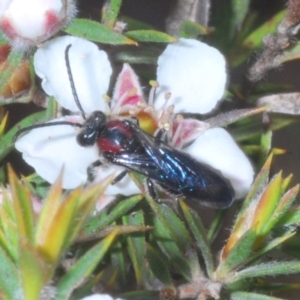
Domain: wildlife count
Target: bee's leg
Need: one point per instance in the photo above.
(160, 136)
(119, 177)
(151, 189)
(135, 120)
(91, 172)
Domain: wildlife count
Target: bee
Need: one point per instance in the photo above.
(122, 142)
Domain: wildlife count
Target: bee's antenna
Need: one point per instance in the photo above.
(25, 129)
(72, 81)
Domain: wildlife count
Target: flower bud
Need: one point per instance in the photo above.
(19, 81)
(29, 23)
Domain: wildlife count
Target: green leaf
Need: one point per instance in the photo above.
(97, 32)
(270, 269)
(197, 228)
(255, 39)
(168, 246)
(23, 207)
(34, 272)
(291, 217)
(257, 187)
(136, 245)
(98, 223)
(251, 296)
(285, 203)
(172, 224)
(49, 210)
(119, 262)
(223, 24)
(216, 225)
(271, 245)
(9, 238)
(240, 10)
(9, 278)
(3, 123)
(137, 56)
(133, 24)
(267, 204)
(237, 255)
(292, 246)
(274, 288)
(110, 12)
(14, 59)
(83, 268)
(150, 36)
(265, 145)
(138, 295)
(189, 29)
(6, 141)
(159, 266)
(57, 238)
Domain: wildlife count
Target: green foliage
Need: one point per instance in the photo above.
(96, 32)
(137, 248)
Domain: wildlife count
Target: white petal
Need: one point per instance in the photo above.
(90, 68)
(217, 148)
(128, 91)
(48, 149)
(194, 73)
(4, 4)
(125, 187)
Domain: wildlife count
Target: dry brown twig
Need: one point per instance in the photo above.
(274, 45)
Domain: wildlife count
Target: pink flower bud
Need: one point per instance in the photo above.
(29, 23)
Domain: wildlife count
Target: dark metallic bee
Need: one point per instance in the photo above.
(123, 143)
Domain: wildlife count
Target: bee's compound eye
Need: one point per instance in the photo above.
(85, 139)
(81, 139)
(99, 116)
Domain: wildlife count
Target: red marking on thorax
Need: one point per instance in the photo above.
(120, 126)
(107, 145)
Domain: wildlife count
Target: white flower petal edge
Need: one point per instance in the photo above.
(195, 75)
(99, 297)
(90, 68)
(217, 148)
(49, 149)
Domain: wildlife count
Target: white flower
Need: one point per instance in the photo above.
(100, 297)
(48, 149)
(213, 146)
(195, 75)
(29, 23)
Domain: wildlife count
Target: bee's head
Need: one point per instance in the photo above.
(91, 129)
